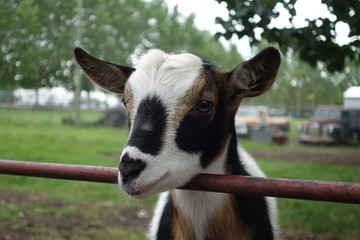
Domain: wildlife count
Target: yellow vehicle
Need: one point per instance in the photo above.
(262, 117)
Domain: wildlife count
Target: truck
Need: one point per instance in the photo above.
(334, 124)
(262, 122)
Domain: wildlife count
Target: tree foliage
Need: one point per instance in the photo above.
(37, 38)
(32, 46)
(174, 35)
(300, 87)
(315, 41)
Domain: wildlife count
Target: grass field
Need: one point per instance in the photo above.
(34, 208)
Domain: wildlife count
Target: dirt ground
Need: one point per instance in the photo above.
(49, 214)
(311, 157)
(68, 225)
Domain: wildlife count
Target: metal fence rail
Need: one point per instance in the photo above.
(343, 192)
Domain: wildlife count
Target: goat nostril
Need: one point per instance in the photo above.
(130, 168)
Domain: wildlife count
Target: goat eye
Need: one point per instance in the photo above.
(204, 106)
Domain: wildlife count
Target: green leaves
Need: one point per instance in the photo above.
(38, 37)
(316, 42)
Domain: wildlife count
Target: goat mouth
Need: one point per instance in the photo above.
(141, 190)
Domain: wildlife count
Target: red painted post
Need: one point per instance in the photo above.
(243, 185)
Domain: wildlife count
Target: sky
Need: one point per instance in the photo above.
(207, 10)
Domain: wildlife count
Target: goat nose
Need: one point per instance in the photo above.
(130, 168)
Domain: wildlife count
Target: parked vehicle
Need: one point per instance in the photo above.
(334, 124)
(279, 118)
(241, 129)
(331, 124)
(261, 123)
(251, 116)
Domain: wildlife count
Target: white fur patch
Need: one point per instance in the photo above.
(164, 75)
(135, 153)
(155, 221)
(249, 163)
(173, 167)
(191, 203)
(253, 169)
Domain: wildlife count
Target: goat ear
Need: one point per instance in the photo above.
(107, 75)
(255, 76)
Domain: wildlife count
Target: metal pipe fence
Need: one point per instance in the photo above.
(343, 192)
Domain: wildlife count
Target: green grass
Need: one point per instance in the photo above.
(334, 218)
(339, 220)
(26, 138)
(44, 117)
(35, 135)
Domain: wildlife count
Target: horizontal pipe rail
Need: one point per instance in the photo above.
(343, 192)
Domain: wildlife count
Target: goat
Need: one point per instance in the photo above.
(181, 118)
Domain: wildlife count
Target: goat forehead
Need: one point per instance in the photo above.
(167, 76)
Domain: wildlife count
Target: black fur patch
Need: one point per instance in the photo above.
(164, 230)
(208, 65)
(253, 209)
(149, 126)
(130, 168)
(198, 133)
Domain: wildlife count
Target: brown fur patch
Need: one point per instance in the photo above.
(227, 224)
(181, 228)
(228, 92)
(201, 90)
(128, 100)
(107, 75)
(255, 76)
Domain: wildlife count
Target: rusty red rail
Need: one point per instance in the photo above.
(275, 187)
(59, 171)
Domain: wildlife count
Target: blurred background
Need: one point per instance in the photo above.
(307, 126)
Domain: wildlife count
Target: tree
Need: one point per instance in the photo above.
(37, 38)
(176, 36)
(32, 47)
(299, 87)
(24, 15)
(315, 42)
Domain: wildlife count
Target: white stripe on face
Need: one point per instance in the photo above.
(165, 76)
